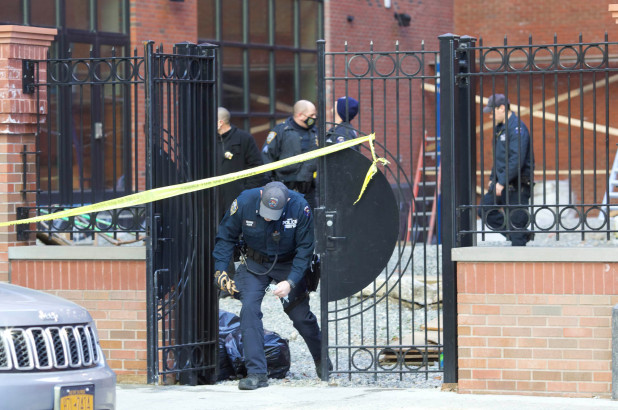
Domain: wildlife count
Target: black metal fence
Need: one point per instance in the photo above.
(563, 93)
(87, 147)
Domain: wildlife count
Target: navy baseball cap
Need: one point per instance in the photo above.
(495, 101)
(274, 197)
(351, 107)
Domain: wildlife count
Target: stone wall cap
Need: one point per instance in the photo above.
(77, 252)
(38, 36)
(534, 254)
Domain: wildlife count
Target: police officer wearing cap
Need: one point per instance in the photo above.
(512, 173)
(295, 136)
(277, 227)
(346, 109)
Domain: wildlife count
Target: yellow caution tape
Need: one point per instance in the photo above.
(372, 170)
(157, 194)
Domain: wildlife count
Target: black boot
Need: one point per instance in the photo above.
(253, 381)
(318, 367)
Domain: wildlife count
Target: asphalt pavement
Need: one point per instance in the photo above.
(134, 397)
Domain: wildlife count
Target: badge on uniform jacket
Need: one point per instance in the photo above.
(228, 155)
(290, 223)
(307, 211)
(271, 137)
(234, 207)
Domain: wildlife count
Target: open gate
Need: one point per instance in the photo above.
(158, 113)
(391, 326)
(181, 125)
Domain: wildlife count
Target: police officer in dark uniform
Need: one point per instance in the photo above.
(295, 136)
(512, 173)
(236, 151)
(277, 227)
(346, 109)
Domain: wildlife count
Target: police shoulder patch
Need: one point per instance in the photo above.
(307, 211)
(271, 136)
(234, 207)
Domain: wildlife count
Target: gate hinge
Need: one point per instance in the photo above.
(27, 79)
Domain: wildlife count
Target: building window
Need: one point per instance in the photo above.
(77, 14)
(88, 15)
(268, 56)
(77, 166)
(12, 12)
(42, 13)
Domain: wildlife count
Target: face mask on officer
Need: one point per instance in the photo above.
(309, 122)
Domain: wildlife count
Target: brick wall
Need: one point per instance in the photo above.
(518, 20)
(373, 22)
(110, 284)
(540, 327)
(18, 124)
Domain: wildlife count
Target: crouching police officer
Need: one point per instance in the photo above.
(277, 227)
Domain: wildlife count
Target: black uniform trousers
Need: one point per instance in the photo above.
(518, 217)
(252, 290)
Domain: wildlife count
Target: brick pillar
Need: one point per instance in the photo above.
(18, 123)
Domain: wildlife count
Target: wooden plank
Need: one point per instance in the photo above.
(415, 355)
(433, 325)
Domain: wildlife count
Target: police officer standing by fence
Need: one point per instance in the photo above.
(295, 136)
(277, 227)
(511, 178)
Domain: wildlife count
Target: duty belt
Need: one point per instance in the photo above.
(259, 257)
(524, 183)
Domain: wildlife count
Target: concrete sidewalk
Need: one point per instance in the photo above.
(134, 397)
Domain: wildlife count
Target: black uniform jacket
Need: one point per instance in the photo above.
(237, 151)
(287, 140)
(295, 228)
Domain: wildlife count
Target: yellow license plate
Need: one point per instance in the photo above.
(74, 397)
